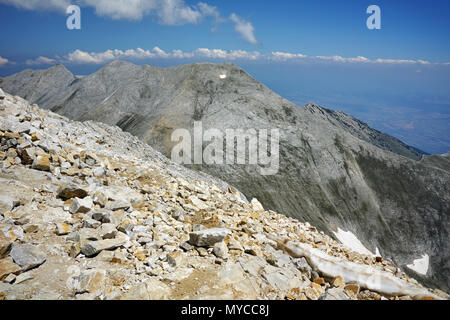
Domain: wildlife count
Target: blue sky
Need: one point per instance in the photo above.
(397, 78)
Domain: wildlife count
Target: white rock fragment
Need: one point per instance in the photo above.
(81, 205)
(208, 237)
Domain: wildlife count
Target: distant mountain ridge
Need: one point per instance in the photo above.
(335, 171)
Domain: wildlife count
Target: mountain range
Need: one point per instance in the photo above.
(335, 172)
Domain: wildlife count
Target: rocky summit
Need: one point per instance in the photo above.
(335, 172)
(88, 211)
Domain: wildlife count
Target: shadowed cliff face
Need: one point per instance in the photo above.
(335, 171)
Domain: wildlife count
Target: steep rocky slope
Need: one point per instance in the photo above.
(335, 172)
(90, 212)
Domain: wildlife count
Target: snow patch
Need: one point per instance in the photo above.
(349, 240)
(420, 265)
(366, 276)
(223, 76)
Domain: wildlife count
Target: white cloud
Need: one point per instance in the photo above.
(40, 61)
(361, 59)
(244, 28)
(3, 61)
(128, 9)
(176, 12)
(342, 59)
(227, 55)
(46, 5)
(423, 62)
(395, 61)
(211, 11)
(283, 56)
(168, 12)
(82, 57)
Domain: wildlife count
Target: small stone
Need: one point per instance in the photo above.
(311, 293)
(319, 281)
(314, 275)
(84, 234)
(90, 158)
(88, 281)
(92, 248)
(98, 172)
(71, 191)
(338, 282)
(6, 203)
(27, 256)
(100, 198)
(63, 229)
(106, 256)
(303, 266)
(31, 228)
(198, 227)
(199, 204)
(119, 256)
(352, 289)
(202, 251)
(8, 234)
(334, 294)
(35, 136)
(368, 295)
(151, 289)
(104, 217)
(108, 231)
(10, 278)
(220, 249)
(234, 244)
(175, 258)
(81, 205)
(7, 266)
(75, 250)
(178, 215)
(256, 205)
(141, 254)
(91, 223)
(27, 155)
(118, 205)
(208, 237)
(41, 163)
(144, 240)
(186, 246)
(253, 250)
(23, 277)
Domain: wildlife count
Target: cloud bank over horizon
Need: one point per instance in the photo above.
(83, 57)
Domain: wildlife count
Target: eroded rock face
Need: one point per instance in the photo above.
(335, 171)
(147, 228)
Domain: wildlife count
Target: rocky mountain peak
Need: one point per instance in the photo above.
(114, 219)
